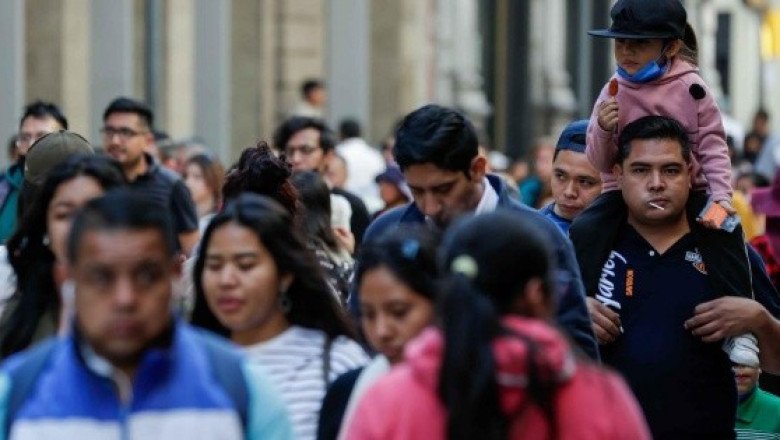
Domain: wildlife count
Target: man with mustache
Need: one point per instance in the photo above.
(655, 311)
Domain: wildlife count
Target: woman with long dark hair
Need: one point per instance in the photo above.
(204, 176)
(496, 368)
(36, 250)
(397, 284)
(256, 280)
(334, 258)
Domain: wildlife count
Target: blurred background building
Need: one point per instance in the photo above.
(228, 71)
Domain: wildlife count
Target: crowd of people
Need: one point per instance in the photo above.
(320, 288)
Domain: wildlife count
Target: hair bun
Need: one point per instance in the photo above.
(259, 170)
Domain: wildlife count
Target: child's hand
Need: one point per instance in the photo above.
(715, 216)
(608, 114)
(727, 206)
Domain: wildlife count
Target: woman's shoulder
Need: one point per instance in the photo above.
(347, 354)
(398, 405)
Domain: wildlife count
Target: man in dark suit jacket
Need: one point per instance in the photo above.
(436, 148)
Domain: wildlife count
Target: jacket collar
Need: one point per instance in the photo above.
(412, 214)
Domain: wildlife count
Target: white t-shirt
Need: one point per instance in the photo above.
(294, 363)
(364, 163)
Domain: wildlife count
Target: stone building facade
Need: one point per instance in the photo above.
(228, 71)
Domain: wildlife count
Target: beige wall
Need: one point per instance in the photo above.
(44, 50)
(275, 45)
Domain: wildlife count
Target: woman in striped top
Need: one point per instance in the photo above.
(266, 290)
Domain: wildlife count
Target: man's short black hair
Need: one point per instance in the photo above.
(297, 123)
(349, 128)
(653, 127)
(41, 110)
(118, 209)
(437, 135)
(129, 105)
(310, 85)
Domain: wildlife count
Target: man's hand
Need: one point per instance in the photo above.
(605, 321)
(724, 317)
(608, 114)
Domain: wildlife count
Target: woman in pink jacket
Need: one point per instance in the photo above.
(495, 368)
(655, 51)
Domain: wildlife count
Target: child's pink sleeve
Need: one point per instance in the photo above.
(711, 150)
(601, 148)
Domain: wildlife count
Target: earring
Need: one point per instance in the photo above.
(45, 240)
(285, 303)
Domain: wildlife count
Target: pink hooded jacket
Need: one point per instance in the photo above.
(674, 95)
(591, 403)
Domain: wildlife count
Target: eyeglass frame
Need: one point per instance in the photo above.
(21, 138)
(305, 149)
(124, 133)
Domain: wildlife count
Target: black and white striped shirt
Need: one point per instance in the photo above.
(294, 362)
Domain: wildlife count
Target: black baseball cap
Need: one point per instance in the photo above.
(640, 19)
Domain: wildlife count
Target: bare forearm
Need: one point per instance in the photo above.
(767, 330)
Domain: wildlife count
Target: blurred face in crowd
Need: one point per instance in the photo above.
(443, 195)
(654, 173)
(746, 378)
(242, 284)
(753, 144)
(68, 199)
(390, 194)
(32, 129)
(123, 291)
(543, 160)
(392, 313)
(304, 153)
(196, 182)
(761, 124)
(125, 138)
(336, 172)
(575, 183)
(317, 96)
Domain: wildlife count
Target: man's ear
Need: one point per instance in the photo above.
(478, 168)
(149, 138)
(326, 157)
(689, 167)
(617, 171)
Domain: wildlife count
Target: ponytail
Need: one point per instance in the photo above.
(467, 382)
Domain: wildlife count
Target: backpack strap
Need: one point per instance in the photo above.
(226, 365)
(24, 376)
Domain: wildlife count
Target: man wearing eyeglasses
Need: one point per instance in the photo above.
(127, 135)
(308, 145)
(39, 119)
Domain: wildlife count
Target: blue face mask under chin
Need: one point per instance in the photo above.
(647, 73)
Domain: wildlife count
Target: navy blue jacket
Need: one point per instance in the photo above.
(572, 314)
